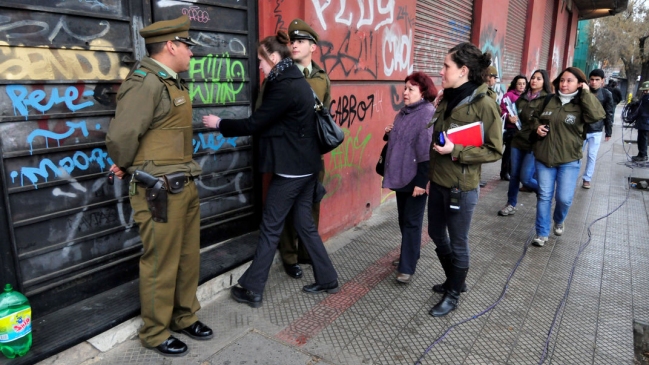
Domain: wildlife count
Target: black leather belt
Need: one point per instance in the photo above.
(188, 179)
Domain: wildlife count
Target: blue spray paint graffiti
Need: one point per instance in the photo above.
(493, 43)
(22, 99)
(81, 161)
(57, 136)
(213, 142)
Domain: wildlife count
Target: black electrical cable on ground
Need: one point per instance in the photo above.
(582, 247)
(492, 306)
(559, 310)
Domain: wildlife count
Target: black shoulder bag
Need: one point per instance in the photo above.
(330, 135)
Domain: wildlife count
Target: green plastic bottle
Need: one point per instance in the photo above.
(15, 323)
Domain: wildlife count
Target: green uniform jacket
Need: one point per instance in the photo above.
(143, 102)
(320, 83)
(567, 122)
(462, 167)
(527, 110)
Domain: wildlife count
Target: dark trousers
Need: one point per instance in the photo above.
(441, 218)
(294, 196)
(505, 164)
(411, 217)
(291, 249)
(643, 138)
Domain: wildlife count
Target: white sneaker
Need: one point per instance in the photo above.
(539, 240)
(558, 229)
(508, 210)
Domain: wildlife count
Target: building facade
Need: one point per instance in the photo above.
(67, 235)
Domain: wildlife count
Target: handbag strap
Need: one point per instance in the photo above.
(318, 104)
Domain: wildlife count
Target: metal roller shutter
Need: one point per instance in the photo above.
(69, 233)
(440, 25)
(514, 39)
(547, 34)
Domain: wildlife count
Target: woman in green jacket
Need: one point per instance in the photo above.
(528, 105)
(455, 169)
(560, 128)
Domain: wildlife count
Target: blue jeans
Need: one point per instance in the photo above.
(520, 171)
(528, 172)
(593, 139)
(441, 218)
(564, 178)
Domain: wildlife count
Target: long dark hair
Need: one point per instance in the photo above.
(547, 83)
(425, 84)
(274, 43)
(512, 85)
(467, 54)
(579, 74)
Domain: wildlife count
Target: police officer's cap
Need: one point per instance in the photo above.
(168, 30)
(492, 71)
(299, 29)
(644, 86)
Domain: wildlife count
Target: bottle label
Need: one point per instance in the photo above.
(16, 325)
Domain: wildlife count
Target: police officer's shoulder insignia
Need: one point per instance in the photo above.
(137, 75)
(162, 73)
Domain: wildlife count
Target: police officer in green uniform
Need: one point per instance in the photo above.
(303, 44)
(151, 136)
(492, 78)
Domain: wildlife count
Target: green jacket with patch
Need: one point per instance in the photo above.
(527, 110)
(567, 122)
(462, 167)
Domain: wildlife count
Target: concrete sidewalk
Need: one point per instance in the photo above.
(375, 320)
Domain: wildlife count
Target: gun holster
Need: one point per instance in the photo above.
(156, 195)
(156, 198)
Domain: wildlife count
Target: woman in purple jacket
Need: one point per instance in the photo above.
(406, 166)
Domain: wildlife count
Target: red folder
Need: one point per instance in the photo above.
(467, 135)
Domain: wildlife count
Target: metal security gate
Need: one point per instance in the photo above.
(439, 26)
(66, 234)
(514, 39)
(546, 52)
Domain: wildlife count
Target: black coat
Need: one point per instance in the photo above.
(286, 125)
(606, 99)
(641, 115)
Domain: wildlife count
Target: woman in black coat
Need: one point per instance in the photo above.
(286, 125)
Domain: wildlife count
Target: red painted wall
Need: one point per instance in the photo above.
(488, 33)
(561, 24)
(533, 37)
(571, 39)
(367, 49)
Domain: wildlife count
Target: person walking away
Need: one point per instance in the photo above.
(303, 44)
(286, 125)
(641, 118)
(455, 169)
(617, 94)
(406, 166)
(516, 88)
(152, 132)
(558, 151)
(594, 130)
(529, 105)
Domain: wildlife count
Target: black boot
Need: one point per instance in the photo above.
(452, 296)
(447, 265)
